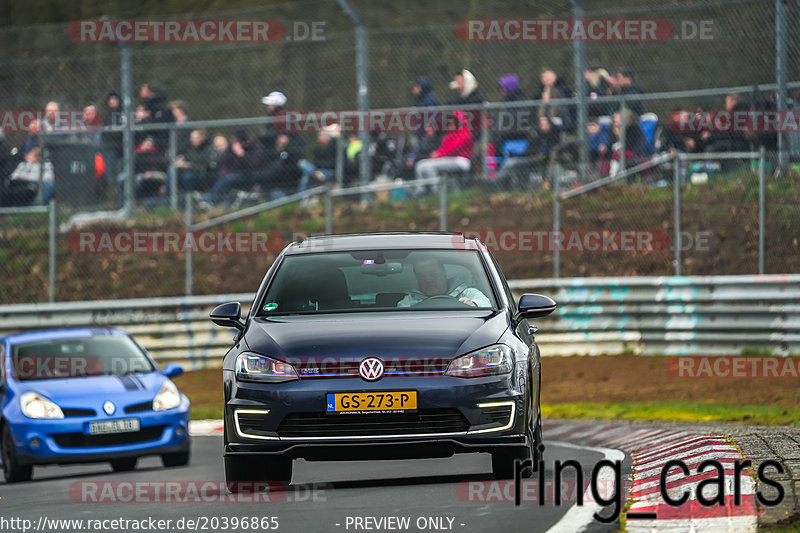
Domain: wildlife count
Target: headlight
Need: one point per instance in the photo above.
(490, 361)
(255, 367)
(34, 405)
(167, 398)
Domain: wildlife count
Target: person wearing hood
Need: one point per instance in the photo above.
(512, 122)
(423, 93)
(453, 154)
(466, 87)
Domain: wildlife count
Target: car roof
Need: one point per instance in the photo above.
(383, 241)
(56, 334)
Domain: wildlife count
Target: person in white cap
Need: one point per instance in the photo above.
(274, 102)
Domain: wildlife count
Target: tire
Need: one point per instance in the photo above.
(13, 472)
(241, 472)
(170, 460)
(124, 465)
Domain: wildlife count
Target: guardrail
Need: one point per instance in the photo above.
(675, 315)
(639, 315)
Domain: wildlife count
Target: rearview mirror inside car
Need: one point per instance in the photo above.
(371, 268)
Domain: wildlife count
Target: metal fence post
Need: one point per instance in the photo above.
(189, 265)
(579, 66)
(780, 75)
(676, 191)
(556, 224)
(51, 211)
(484, 122)
(443, 204)
(762, 207)
(127, 133)
(173, 168)
(328, 212)
(623, 133)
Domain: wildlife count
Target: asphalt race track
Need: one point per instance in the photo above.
(432, 494)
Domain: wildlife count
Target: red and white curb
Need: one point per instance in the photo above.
(651, 449)
(201, 428)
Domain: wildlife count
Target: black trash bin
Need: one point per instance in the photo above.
(74, 173)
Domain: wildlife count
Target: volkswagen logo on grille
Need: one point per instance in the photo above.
(371, 369)
(109, 408)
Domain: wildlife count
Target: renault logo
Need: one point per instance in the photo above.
(371, 368)
(109, 408)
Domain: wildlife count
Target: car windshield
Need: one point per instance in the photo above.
(378, 280)
(78, 357)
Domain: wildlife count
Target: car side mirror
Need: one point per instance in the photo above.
(173, 371)
(228, 315)
(535, 306)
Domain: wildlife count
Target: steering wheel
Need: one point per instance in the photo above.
(431, 301)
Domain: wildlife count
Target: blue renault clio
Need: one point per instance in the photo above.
(381, 346)
(86, 395)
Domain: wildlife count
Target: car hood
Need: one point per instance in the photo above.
(398, 334)
(93, 391)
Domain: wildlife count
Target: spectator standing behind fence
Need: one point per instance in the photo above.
(553, 88)
(181, 115)
(636, 147)
(154, 100)
(422, 89)
(512, 122)
(466, 87)
(627, 86)
(275, 102)
(324, 159)
(675, 140)
(728, 141)
(281, 173)
(598, 84)
(453, 154)
(236, 167)
(112, 141)
(196, 162)
(47, 123)
(150, 166)
(28, 172)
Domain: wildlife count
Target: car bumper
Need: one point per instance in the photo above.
(492, 410)
(68, 440)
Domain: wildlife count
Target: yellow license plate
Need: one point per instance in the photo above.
(348, 402)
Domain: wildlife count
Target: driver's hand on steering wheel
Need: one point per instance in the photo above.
(465, 300)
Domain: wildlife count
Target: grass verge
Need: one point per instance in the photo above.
(767, 415)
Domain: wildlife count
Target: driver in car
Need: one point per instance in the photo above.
(433, 282)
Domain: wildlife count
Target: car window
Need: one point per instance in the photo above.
(78, 357)
(378, 280)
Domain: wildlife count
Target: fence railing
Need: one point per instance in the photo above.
(639, 315)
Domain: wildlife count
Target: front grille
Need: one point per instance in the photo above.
(139, 407)
(78, 412)
(425, 421)
(80, 440)
(410, 367)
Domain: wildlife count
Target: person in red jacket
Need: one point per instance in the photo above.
(453, 153)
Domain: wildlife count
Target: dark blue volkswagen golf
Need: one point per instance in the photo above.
(381, 346)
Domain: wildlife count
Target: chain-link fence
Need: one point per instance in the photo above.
(187, 125)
